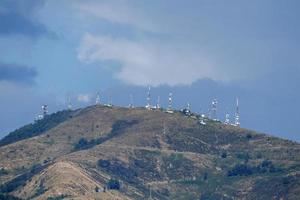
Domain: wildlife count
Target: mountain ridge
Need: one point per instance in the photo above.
(173, 154)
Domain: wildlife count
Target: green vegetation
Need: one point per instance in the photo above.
(117, 129)
(3, 172)
(113, 184)
(8, 197)
(36, 128)
(246, 170)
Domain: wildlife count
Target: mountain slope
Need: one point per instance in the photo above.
(171, 156)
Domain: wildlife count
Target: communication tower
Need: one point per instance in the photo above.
(98, 98)
(170, 100)
(158, 102)
(237, 114)
(227, 118)
(214, 108)
(110, 101)
(148, 105)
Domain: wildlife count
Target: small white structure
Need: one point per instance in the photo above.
(45, 110)
(202, 119)
(109, 104)
(187, 110)
(44, 113)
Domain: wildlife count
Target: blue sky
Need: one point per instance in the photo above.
(198, 49)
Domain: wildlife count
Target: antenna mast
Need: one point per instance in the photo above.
(158, 103)
(237, 113)
(110, 100)
(170, 101)
(148, 105)
(214, 105)
(98, 98)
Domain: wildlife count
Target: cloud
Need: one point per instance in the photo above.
(150, 61)
(118, 12)
(17, 73)
(18, 18)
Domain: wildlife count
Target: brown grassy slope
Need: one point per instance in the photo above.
(169, 152)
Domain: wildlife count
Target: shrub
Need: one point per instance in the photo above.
(240, 170)
(113, 184)
(8, 197)
(97, 189)
(243, 156)
(3, 172)
(265, 166)
(103, 163)
(224, 155)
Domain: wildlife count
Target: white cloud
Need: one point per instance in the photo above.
(149, 62)
(187, 46)
(120, 12)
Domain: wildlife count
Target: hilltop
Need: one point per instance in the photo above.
(118, 153)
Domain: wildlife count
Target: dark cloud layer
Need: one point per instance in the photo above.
(17, 73)
(18, 17)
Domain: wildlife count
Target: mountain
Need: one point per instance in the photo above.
(119, 153)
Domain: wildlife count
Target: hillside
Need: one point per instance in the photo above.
(118, 153)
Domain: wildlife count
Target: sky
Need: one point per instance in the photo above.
(53, 50)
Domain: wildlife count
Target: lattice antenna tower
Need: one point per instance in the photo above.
(148, 105)
(170, 100)
(214, 109)
(237, 114)
(227, 118)
(98, 99)
(158, 103)
(110, 100)
(188, 107)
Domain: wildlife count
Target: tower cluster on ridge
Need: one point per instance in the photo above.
(202, 118)
(212, 114)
